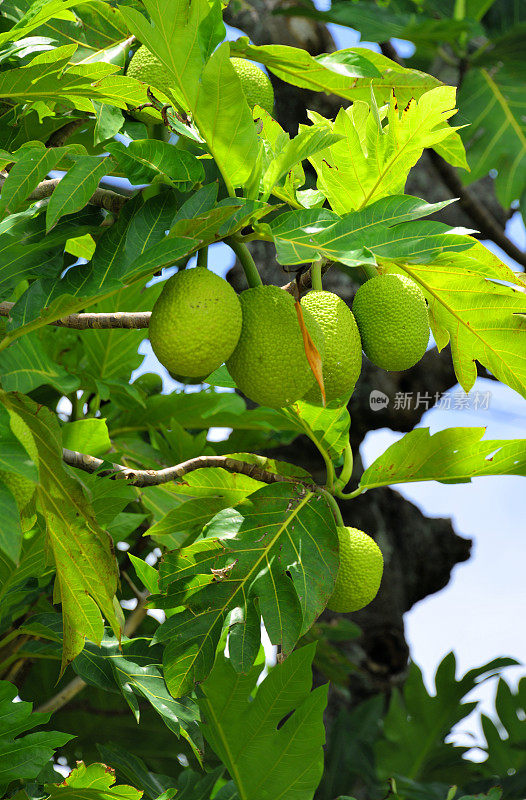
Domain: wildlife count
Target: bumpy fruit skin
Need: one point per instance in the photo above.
(147, 68)
(21, 488)
(343, 348)
(360, 572)
(391, 314)
(255, 84)
(195, 323)
(269, 364)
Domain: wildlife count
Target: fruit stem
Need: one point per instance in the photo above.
(247, 262)
(345, 475)
(369, 271)
(315, 275)
(335, 508)
(202, 257)
(349, 495)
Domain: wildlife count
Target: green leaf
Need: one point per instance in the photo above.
(32, 167)
(417, 723)
(145, 159)
(87, 436)
(506, 735)
(492, 100)
(204, 82)
(309, 141)
(126, 253)
(455, 455)
(480, 318)
(109, 357)
(10, 529)
(22, 757)
(135, 770)
(266, 757)
(372, 160)
(278, 550)
(26, 251)
(76, 187)
(26, 365)
(101, 35)
(86, 578)
(133, 669)
(327, 427)
(46, 81)
(384, 230)
(204, 493)
(16, 596)
(38, 14)
(377, 23)
(95, 782)
(346, 73)
(13, 455)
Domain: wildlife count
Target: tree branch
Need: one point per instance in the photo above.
(60, 136)
(116, 319)
(103, 198)
(153, 477)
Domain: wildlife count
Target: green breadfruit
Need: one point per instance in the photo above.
(269, 364)
(255, 84)
(21, 488)
(342, 361)
(147, 68)
(149, 382)
(360, 572)
(195, 323)
(391, 314)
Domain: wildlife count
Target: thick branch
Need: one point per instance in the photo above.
(117, 319)
(60, 136)
(153, 477)
(103, 198)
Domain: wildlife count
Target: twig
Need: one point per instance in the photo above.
(116, 319)
(153, 477)
(483, 219)
(305, 280)
(77, 684)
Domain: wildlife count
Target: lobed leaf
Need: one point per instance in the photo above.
(483, 320)
(349, 73)
(279, 550)
(372, 160)
(266, 756)
(23, 756)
